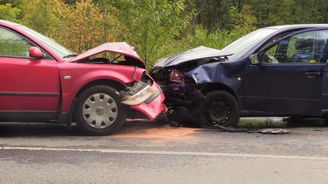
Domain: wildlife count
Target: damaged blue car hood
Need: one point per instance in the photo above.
(189, 55)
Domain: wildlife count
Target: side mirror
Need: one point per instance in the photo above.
(255, 59)
(35, 52)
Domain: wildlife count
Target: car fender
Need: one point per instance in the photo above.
(79, 79)
(227, 75)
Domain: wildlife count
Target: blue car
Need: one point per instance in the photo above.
(273, 71)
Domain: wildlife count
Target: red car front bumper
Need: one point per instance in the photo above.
(154, 105)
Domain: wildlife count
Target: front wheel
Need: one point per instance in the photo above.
(219, 109)
(99, 111)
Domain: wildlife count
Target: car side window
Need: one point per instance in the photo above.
(13, 44)
(301, 48)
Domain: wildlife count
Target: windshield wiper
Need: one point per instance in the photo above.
(70, 55)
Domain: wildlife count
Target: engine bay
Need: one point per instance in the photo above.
(121, 60)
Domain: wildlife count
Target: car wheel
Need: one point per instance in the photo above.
(99, 111)
(219, 109)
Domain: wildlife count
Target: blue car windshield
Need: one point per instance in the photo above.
(53, 45)
(244, 44)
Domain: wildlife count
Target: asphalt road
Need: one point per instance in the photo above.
(148, 152)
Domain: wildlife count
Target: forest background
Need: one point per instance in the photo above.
(157, 28)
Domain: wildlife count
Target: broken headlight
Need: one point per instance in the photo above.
(136, 93)
(176, 76)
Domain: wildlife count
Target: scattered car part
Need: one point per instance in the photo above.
(273, 131)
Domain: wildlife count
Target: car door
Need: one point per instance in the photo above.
(288, 80)
(29, 87)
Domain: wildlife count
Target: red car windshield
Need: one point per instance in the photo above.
(56, 47)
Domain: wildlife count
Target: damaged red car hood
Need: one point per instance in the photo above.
(114, 47)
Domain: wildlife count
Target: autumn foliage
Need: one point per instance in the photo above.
(157, 27)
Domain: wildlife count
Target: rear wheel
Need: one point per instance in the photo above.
(99, 111)
(219, 109)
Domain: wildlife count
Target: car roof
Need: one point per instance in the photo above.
(298, 26)
(5, 22)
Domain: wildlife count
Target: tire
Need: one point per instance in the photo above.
(99, 112)
(219, 109)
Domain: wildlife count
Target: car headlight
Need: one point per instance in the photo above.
(176, 76)
(136, 93)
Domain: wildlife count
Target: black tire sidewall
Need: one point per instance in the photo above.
(227, 98)
(83, 125)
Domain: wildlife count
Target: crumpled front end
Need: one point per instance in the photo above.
(154, 105)
(183, 99)
(179, 79)
(141, 92)
(145, 96)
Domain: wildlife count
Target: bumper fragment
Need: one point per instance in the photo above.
(144, 97)
(137, 98)
(154, 105)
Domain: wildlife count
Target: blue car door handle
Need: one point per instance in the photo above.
(311, 75)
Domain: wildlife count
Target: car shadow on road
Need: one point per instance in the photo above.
(34, 130)
(52, 129)
(140, 127)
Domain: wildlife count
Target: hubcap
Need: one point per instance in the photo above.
(100, 110)
(219, 112)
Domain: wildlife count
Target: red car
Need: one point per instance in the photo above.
(42, 81)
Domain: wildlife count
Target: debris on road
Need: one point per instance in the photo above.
(273, 131)
(262, 131)
(248, 130)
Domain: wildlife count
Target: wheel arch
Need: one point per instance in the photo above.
(209, 87)
(112, 83)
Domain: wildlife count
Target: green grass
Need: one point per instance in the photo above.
(261, 123)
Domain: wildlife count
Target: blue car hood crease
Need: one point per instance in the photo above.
(189, 55)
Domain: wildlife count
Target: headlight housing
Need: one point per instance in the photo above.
(136, 93)
(176, 76)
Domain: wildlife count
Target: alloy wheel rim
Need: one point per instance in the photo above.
(219, 112)
(100, 110)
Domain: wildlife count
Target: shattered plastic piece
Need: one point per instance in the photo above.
(136, 94)
(273, 131)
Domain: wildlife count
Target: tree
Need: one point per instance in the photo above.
(212, 14)
(7, 12)
(84, 26)
(79, 26)
(150, 24)
(243, 22)
(42, 15)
